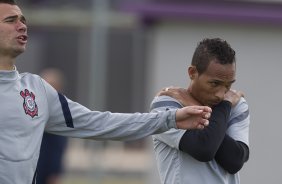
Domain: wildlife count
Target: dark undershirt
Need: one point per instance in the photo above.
(213, 143)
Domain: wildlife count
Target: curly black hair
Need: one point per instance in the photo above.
(12, 2)
(212, 49)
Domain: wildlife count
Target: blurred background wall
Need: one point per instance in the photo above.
(117, 55)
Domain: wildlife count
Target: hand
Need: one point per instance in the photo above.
(180, 94)
(233, 96)
(165, 90)
(193, 117)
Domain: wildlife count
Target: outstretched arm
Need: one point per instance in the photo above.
(69, 118)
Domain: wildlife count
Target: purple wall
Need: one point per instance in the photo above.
(240, 12)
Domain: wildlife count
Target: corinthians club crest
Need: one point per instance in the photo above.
(29, 104)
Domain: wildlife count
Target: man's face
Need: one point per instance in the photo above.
(210, 87)
(13, 30)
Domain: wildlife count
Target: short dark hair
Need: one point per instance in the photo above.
(12, 2)
(212, 49)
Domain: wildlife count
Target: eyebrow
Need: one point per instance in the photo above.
(219, 81)
(22, 18)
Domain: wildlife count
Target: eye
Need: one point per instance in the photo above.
(214, 84)
(14, 19)
(10, 20)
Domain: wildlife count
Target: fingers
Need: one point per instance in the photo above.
(193, 117)
(233, 96)
(200, 126)
(206, 115)
(163, 91)
(204, 109)
(168, 91)
(203, 124)
(239, 93)
(168, 88)
(206, 122)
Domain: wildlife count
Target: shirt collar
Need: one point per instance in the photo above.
(9, 75)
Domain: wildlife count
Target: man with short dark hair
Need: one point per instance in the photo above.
(215, 154)
(29, 105)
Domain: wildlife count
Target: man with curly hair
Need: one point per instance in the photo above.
(215, 154)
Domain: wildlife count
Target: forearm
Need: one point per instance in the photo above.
(203, 144)
(97, 125)
(232, 154)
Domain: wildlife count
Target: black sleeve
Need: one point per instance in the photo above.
(203, 144)
(232, 154)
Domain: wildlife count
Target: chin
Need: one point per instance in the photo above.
(16, 54)
(206, 104)
(209, 104)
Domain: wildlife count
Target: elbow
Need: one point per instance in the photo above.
(237, 164)
(234, 167)
(233, 171)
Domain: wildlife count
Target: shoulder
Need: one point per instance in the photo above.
(240, 115)
(30, 76)
(239, 122)
(34, 80)
(241, 107)
(164, 99)
(160, 102)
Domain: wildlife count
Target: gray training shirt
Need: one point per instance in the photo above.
(177, 167)
(29, 105)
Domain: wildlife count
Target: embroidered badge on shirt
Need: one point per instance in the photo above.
(29, 104)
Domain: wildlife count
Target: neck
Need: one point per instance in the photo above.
(193, 100)
(6, 63)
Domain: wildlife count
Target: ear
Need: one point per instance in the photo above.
(192, 72)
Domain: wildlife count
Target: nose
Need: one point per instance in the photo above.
(21, 27)
(220, 94)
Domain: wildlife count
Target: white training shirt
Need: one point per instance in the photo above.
(177, 167)
(29, 105)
